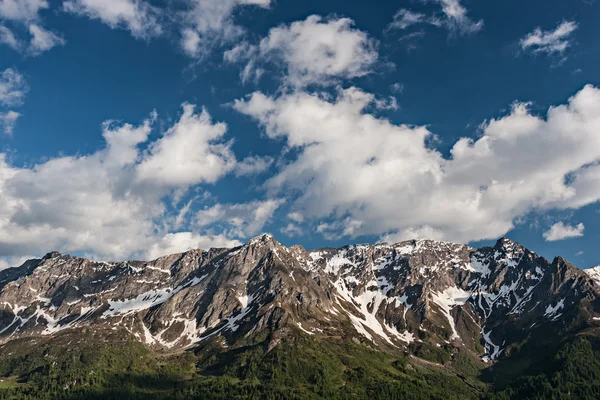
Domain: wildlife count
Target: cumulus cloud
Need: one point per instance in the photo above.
(339, 229)
(8, 38)
(43, 40)
(13, 88)
(207, 23)
(183, 241)
(585, 183)
(239, 220)
(137, 16)
(21, 10)
(190, 152)
(116, 202)
(549, 42)
(253, 165)
(296, 216)
(202, 24)
(8, 120)
(26, 14)
(190, 42)
(380, 178)
(560, 231)
(315, 51)
(292, 230)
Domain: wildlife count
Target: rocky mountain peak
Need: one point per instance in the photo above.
(265, 240)
(509, 247)
(405, 295)
(52, 254)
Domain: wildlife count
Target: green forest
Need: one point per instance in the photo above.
(297, 368)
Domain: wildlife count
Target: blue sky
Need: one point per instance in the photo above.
(136, 129)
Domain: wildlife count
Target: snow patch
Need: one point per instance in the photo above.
(336, 262)
(304, 330)
(447, 299)
(493, 350)
(552, 310)
(370, 299)
(148, 299)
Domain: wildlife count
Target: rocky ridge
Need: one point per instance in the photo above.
(394, 296)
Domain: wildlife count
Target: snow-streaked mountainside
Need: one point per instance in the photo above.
(594, 273)
(395, 296)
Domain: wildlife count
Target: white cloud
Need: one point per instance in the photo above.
(43, 40)
(13, 88)
(296, 216)
(137, 16)
(240, 52)
(379, 178)
(292, 230)
(203, 24)
(189, 152)
(560, 231)
(339, 229)
(586, 184)
(8, 120)
(239, 220)
(190, 42)
(314, 51)
(207, 23)
(245, 52)
(251, 73)
(549, 42)
(8, 38)
(13, 262)
(21, 10)
(317, 51)
(26, 13)
(253, 165)
(386, 104)
(453, 16)
(179, 242)
(456, 18)
(420, 232)
(118, 201)
(405, 18)
(397, 88)
(78, 203)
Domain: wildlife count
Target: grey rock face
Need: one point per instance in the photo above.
(394, 295)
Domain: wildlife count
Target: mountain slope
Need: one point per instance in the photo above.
(449, 305)
(594, 273)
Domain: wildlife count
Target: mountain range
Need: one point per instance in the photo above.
(415, 319)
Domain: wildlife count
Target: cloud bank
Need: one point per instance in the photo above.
(377, 178)
(114, 203)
